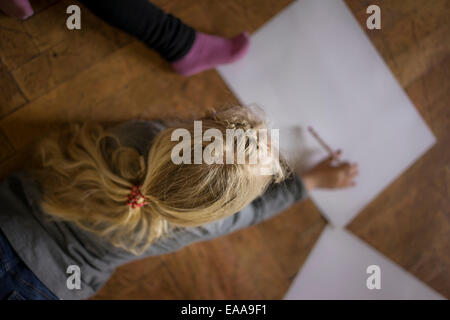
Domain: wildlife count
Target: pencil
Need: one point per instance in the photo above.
(321, 142)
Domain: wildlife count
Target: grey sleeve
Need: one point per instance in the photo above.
(277, 198)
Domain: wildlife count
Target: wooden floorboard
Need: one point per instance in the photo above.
(10, 93)
(64, 53)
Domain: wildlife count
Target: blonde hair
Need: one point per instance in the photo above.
(86, 176)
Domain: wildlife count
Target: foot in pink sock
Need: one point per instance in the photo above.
(210, 51)
(17, 8)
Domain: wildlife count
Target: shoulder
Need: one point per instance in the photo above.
(138, 134)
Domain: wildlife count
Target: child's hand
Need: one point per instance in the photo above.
(331, 174)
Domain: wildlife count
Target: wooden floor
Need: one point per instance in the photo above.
(50, 75)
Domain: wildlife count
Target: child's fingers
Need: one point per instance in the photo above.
(345, 165)
(336, 156)
(353, 170)
(347, 184)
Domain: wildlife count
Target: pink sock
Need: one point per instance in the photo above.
(17, 8)
(210, 51)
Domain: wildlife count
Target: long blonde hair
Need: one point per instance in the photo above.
(86, 176)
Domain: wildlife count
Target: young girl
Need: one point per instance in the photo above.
(104, 197)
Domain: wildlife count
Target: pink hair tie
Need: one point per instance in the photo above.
(135, 198)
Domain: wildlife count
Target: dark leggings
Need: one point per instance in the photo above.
(162, 32)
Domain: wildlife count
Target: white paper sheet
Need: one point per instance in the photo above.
(313, 65)
(337, 269)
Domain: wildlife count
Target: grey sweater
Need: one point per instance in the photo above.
(49, 247)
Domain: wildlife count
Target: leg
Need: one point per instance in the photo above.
(160, 31)
(189, 51)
